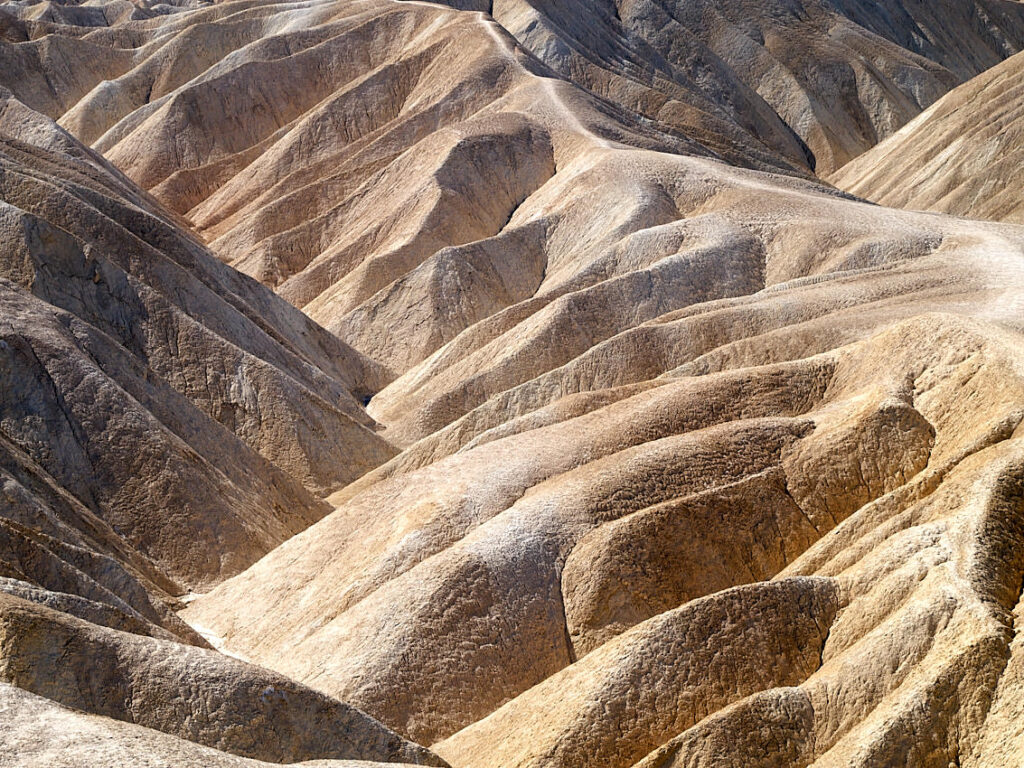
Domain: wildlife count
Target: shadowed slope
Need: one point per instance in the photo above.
(194, 694)
(840, 76)
(39, 733)
(154, 400)
(962, 156)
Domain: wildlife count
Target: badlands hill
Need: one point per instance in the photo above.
(497, 384)
(962, 156)
(338, 151)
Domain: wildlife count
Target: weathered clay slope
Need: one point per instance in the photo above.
(840, 75)
(164, 421)
(672, 456)
(962, 156)
(926, 576)
(194, 694)
(39, 733)
(481, 143)
(70, 218)
(507, 562)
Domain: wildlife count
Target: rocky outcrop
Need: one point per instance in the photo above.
(164, 421)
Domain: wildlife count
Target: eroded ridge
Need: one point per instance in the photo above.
(574, 423)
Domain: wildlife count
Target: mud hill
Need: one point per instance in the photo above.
(505, 384)
(960, 157)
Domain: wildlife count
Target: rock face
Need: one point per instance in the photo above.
(164, 422)
(961, 156)
(839, 75)
(575, 421)
(140, 373)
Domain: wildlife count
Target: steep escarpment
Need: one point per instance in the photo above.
(165, 421)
